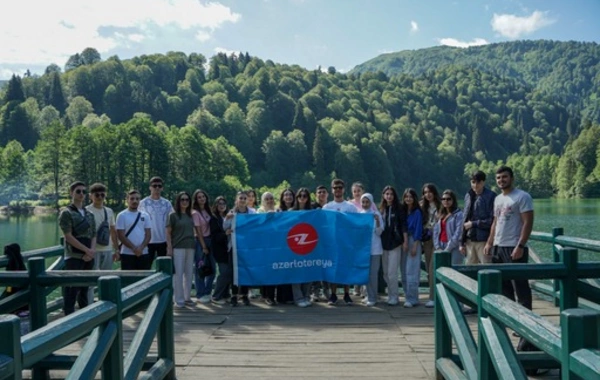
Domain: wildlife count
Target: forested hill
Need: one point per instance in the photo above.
(568, 71)
(246, 121)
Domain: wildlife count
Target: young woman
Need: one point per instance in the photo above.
(393, 239)
(376, 249)
(252, 199)
(201, 214)
(448, 229)
(301, 292)
(286, 203)
(219, 243)
(267, 204)
(410, 263)
(241, 207)
(430, 204)
(180, 246)
(358, 190)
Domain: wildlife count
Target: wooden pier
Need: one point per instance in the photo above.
(319, 342)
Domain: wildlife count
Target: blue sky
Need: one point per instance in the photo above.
(311, 33)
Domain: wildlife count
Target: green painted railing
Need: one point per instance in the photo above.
(573, 345)
(100, 322)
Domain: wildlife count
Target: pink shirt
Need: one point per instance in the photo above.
(201, 220)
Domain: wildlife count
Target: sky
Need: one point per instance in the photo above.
(310, 33)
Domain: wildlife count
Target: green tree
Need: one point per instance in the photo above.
(50, 158)
(77, 110)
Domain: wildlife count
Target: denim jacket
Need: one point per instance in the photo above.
(482, 216)
(454, 228)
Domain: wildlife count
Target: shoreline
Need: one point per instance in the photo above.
(26, 210)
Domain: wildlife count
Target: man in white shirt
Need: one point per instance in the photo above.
(340, 205)
(134, 231)
(159, 209)
(105, 253)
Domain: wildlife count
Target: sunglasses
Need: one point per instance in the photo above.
(302, 195)
(337, 187)
(321, 192)
(80, 191)
(100, 195)
(446, 199)
(157, 186)
(134, 199)
(185, 199)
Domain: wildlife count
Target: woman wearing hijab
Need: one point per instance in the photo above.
(366, 201)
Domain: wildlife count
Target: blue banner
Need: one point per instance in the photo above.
(302, 246)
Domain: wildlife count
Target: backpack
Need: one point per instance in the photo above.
(103, 233)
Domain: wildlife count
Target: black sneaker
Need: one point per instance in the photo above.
(234, 301)
(347, 299)
(269, 301)
(246, 301)
(332, 300)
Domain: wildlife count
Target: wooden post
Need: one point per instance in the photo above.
(109, 289)
(166, 335)
(568, 284)
(10, 346)
(489, 282)
(443, 338)
(556, 231)
(38, 315)
(580, 328)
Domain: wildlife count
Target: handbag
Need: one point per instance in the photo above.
(204, 267)
(103, 233)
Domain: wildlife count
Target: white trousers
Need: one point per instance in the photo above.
(183, 261)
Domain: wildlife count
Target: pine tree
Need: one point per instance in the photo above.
(55, 93)
(14, 91)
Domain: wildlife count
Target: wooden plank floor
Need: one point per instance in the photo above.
(221, 342)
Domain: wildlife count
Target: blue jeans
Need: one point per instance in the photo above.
(203, 285)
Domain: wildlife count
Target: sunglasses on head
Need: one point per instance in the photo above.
(157, 186)
(80, 191)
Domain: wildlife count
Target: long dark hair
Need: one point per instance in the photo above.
(215, 207)
(251, 191)
(307, 205)
(395, 203)
(196, 205)
(436, 198)
(282, 205)
(412, 192)
(188, 209)
(443, 212)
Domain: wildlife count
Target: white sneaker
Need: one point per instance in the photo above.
(408, 304)
(370, 303)
(430, 304)
(392, 303)
(204, 299)
(302, 304)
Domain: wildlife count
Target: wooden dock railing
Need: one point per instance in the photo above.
(100, 322)
(573, 346)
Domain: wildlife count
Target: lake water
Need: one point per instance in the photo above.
(579, 218)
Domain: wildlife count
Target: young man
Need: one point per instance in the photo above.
(105, 254)
(322, 196)
(79, 229)
(339, 204)
(478, 218)
(134, 232)
(513, 221)
(159, 209)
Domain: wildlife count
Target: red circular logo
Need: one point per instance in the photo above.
(302, 238)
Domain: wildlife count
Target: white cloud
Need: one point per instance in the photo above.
(226, 51)
(414, 27)
(8, 73)
(462, 44)
(60, 28)
(203, 36)
(512, 26)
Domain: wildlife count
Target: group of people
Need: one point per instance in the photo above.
(197, 233)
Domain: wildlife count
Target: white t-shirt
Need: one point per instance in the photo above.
(99, 218)
(125, 220)
(343, 206)
(507, 211)
(159, 211)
